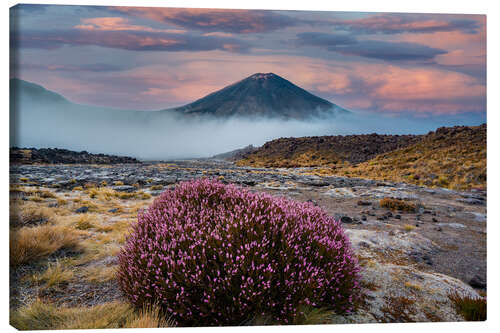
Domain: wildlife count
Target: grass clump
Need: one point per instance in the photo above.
(29, 214)
(44, 316)
(397, 204)
(215, 254)
(84, 222)
(471, 308)
(409, 227)
(29, 244)
(54, 275)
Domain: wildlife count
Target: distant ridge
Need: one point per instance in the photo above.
(261, 95)
(452, 157)
(21, 88)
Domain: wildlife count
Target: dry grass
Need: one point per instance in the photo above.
(472, 309)
(413, 286)
(84, 222)
(99, 274)
(38, 231)
(31, 244)
(55, 275)
(396, 204)
(43, 316)
(409, 227)
(29, 214)
(107, 194)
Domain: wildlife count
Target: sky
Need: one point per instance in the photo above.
(141, 58)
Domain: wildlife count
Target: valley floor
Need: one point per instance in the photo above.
(412, 261)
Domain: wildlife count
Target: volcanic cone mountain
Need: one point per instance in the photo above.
(262, 95)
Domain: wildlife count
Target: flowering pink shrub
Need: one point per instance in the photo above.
(215, 254)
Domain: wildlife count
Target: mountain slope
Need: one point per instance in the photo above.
(20, 89)
(324, 150)
(261, 95)
(452, 157)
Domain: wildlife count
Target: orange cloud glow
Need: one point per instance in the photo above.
(117, 24)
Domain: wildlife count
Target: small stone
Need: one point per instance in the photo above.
(472, 201)
(124, 188)
(364, 203)
(477, 282)
(397, 217)
(346, 219)
(363, 218)
(313, 202)
(427, 260)
(364, 244)
(82, 209)
(434, 219)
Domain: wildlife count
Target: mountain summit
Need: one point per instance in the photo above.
(261, 95)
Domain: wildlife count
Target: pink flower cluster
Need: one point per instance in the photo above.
(215, 254)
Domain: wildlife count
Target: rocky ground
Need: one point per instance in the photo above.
(411, 261)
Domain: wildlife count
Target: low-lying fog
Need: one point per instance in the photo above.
(160, 135)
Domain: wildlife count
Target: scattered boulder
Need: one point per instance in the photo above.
(82, 209)
(472, 201)
(346, 219)
(313, 202)
(477, 282)
(124, 188)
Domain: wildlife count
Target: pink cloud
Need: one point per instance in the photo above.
(117, 24)
(392, 23)
(214, 20)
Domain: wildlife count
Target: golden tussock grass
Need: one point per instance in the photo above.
(409, 227)
(99, 274)
(31, 244)
(29, 213)
(107, 194)
(413, 286)
(43, 316)
(397, 204)
(54, 275)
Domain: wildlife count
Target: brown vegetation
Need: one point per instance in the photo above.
(472, 309)
(44, 316)
(30, 244)
(450, 157)
(397, 204)
(324, 150)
